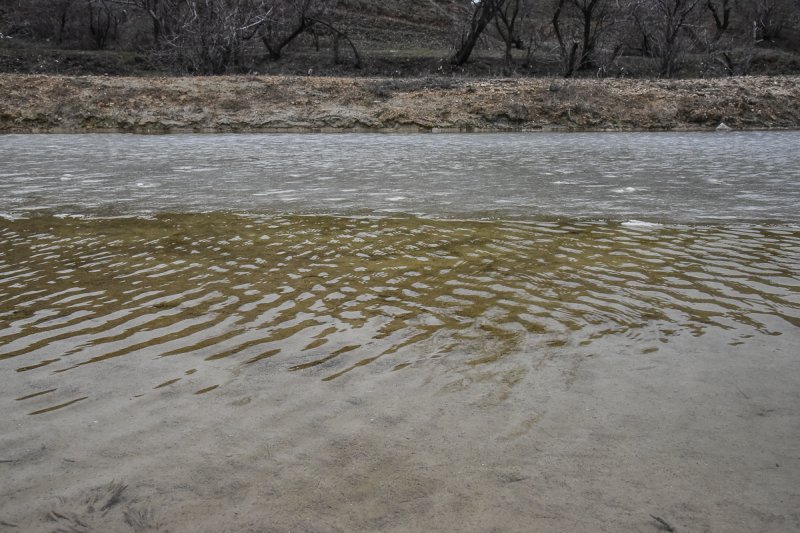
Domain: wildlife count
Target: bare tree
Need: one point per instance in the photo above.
(483, 12)
(725, 37)
(506, 21)
(213, 39)
(103, 21)
(60, 13)
(216, 36)
(579, 26)
(288, 19)
(166, 16)
(49, 20)
(211, 36)
(771, 17)
(202, 36)
(338, 36)
(721, 12)
(664, 22)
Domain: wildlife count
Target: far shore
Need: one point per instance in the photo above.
(82, 104)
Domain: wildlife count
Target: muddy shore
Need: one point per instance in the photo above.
(35, 103)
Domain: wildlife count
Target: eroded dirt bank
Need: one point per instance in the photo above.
(30, 103)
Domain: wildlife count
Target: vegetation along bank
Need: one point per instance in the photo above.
(43, 103)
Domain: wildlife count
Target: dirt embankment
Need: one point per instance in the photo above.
(30, 103)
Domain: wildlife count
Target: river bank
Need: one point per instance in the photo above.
(47, 104)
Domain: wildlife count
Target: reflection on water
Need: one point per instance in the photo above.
(329, 296)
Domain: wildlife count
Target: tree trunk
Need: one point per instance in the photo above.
(588, 41)
(569, 68)
(481, 18)
(276, 49)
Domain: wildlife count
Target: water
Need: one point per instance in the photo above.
(391, 332)
(178, 294)
(663, 177)
(224, 265)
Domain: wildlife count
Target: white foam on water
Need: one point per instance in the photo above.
(641, 224)
(274, 192)
(623, 190)
(34, 207)
(195, 169)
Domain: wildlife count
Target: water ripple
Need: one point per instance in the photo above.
(177, 294)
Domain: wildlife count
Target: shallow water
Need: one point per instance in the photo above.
(527, 243)
(393, 333)
(174, 296)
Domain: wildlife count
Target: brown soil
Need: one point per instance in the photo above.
(34, 103)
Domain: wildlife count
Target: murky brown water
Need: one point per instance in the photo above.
(175, 295)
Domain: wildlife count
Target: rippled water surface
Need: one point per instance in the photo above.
(177, 294)
(654, 176)
(226, 270)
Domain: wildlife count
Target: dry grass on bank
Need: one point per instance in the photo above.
(32, 103)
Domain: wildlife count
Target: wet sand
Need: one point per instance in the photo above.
(224, 373)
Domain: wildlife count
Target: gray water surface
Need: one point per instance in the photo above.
(677, 177)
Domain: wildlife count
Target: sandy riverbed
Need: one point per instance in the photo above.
(595, 441)
(185, 374)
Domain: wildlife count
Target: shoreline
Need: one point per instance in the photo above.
(290, 104)
(361, 131)
(636, 221)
